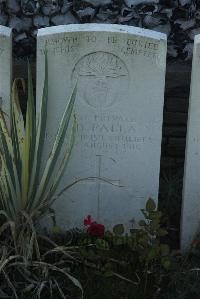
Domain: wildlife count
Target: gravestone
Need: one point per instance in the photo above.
(5, 67)
(120, 72)
(191, 185)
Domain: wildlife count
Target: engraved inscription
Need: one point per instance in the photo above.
(134, 46)
(99, 76)
(92, 39)
(138, 47)
(61, 46)
(142, 44)
(62, 40)
(110, 134)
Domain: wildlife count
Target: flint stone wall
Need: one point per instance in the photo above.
(179, 19)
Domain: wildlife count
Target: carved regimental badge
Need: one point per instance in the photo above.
(102, 79)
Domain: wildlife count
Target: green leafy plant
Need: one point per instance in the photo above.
(152, 251)
(25, 196)
(138, 258)
(21, 186)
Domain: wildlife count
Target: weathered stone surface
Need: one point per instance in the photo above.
(5, 68)
(66, 6)
(97, 3)
(87, 12)
(119, 106)
(191, 192)
(3, 19)
(13, 6)
(184, 2)
(20, 24)
(65, 19)
(29, 7)
(132, 3)
(50, 9)
(40, 21)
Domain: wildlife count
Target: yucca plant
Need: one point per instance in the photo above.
(26, 194)
(20, 186)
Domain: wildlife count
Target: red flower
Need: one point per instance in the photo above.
(96, 230)
(88, 221)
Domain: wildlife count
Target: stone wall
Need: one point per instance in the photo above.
(179, 19)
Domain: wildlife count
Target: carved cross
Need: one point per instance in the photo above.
(99, 181)
(99, 178)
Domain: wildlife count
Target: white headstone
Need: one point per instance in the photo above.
(119, 108)
(5, 67)
(191, 184)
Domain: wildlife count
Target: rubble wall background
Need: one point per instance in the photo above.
(179, 19)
